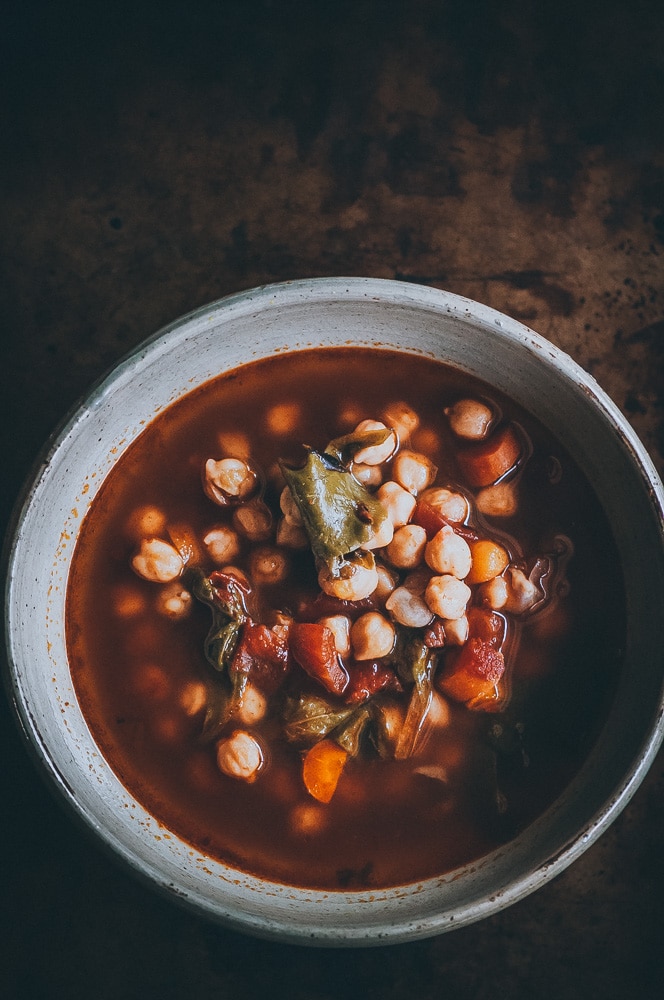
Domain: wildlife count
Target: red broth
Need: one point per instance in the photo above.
(481, 768)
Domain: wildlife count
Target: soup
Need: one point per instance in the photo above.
(345, 618)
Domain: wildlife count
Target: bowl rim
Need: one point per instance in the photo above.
(321, 290)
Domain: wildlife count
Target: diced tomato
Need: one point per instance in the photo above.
(487, 625)
(323, 605)
(312, 646)
(472, 674)
(368, 677)
(262, 654)
(434, 635)
(485, 462)
(432, 521)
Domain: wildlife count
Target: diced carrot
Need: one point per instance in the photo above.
(473, 675)
(487, 461)
(312, 646)
(489, 560)
(321, 769)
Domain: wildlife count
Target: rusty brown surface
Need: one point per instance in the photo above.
(154, 159)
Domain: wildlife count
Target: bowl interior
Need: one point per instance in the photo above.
(297, 316)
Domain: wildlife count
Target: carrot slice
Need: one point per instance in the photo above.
(488, 461)
(322, 767)
(312, 646)
(473, 675)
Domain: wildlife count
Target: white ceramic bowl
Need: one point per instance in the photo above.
(294, 316)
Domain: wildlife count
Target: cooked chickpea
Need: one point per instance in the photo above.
(494, 593)
(289, 508)
(268, 565)
(339, 626)
(369, 475)
(283, 418)
(157, 561)
(253, 706)
(402, 418)
(387, 581)
(372, 636)
(193, 697)
(291, 536)
(523, 594)
(234, 444)
(151, 681)
(414, 471)
(408, 608)
(382, 536)
(174, 601)
(128, 602)
(308, 818)
(470, 419)
(228, 480)
(253, 520)
(222, 544)
(447, 596)
(453, 506)
(456, 630)
(439, 711)
(499, 500)
(406, 550)
(147, 522)
(398, 502)
(448, 553)
(357, 582)
(240, 756)
(378, 453)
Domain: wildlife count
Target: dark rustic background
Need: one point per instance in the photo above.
(156, 157)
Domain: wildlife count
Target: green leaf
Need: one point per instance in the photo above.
(347, 447)
(339, 514)
(416, 663)
(312, 718)
(349, 734)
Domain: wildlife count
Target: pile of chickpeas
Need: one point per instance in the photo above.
(414, 578)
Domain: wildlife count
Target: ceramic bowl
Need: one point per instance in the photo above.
(294, 316)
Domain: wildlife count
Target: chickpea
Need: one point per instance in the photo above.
(339, 626)
(372, 636)
(439, 711)
(406, 550)
(448, 552)
(398, 502)
(147, 522)
(499, 500)
(453, 506)
(494, 593)
(408, 608)
(229, 480)
(234, 444)
(253, 520)
(128, 602)
(289, 508)
(174, 601)
(447, 596)
(193, 697)
(470, 419)
(222, 544)
(369, 475)
(291, 536)
(414, 471)
(523, 594)
(240, 756)
(456, 630)
(378, 453)
(387, 581)
(268, 565)
(283, 418)
(382, 537)
(357, 582)
(151, 681)
(402, 418)
(157, 561)
(307, 818)
(253, 706)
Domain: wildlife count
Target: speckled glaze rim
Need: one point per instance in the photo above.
(295, 316)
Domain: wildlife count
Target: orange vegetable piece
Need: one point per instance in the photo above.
(322, 767)
(484, 463)
(489, 560)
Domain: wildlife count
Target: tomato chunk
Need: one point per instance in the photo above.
(473, 674)
(367, 677)
(432, 521)
(312, 646)
(262, 654)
